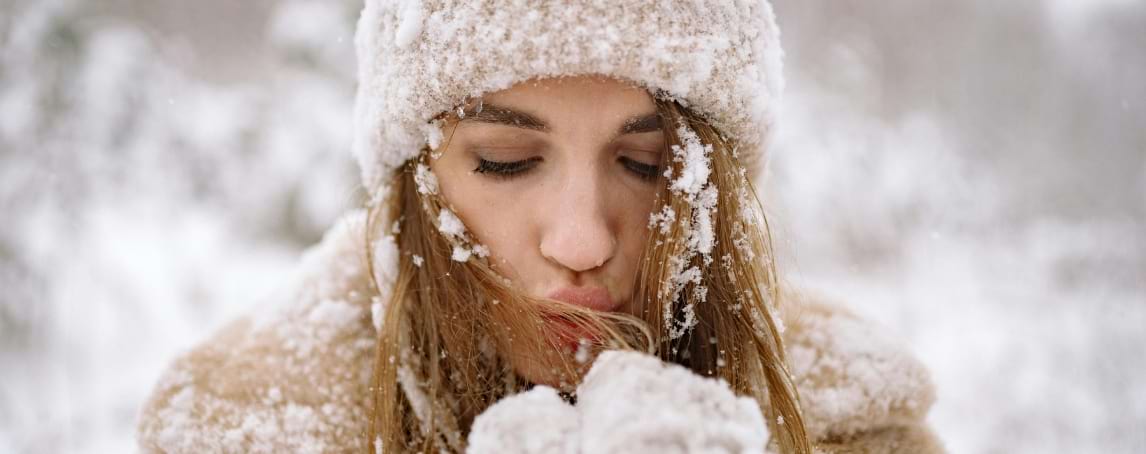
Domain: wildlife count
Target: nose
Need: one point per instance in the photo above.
(578, 234)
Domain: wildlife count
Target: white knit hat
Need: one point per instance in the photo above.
(418, 58)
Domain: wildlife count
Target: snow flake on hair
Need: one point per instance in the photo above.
(663, 220)
(425, 179)
(455, 231)
(434, 136)
(693, 184)
(385, 256)
(461, 254)
(695, 156)
(450, 225)
(433, 419)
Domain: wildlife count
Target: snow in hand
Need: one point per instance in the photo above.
(628, 402)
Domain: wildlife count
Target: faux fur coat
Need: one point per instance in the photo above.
(294, 375)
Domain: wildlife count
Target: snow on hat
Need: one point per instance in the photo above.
(418, 58)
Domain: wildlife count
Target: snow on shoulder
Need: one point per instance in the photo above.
(628, 402)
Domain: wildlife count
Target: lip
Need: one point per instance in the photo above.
(595, 298)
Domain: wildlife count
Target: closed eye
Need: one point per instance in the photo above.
(646, 172)
(502, 169)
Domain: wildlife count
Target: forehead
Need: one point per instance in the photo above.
(557, 99)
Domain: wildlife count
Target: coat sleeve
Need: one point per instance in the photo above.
(913, 438)
(293, 378)
(860, 389)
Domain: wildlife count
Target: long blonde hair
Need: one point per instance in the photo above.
(446, 331)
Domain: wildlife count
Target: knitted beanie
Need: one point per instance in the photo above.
(419, 58)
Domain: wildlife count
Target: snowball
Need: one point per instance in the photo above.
(536, 421)
(631, 402)
(628, 402)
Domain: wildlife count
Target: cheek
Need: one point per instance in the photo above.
(493, 216)
(633, 229)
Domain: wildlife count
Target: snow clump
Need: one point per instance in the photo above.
(694, 185)
(628, 402)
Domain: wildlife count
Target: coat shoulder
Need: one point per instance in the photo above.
(861, 389)
(288, 376)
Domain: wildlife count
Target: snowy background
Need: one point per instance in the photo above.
(971, 174)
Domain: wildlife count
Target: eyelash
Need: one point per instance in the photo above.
(507, 170)
(646, 172)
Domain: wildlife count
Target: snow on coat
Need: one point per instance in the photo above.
(294, 377)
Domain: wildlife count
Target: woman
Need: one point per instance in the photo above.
(550, 180)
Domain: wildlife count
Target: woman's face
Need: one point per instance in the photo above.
(557, 177)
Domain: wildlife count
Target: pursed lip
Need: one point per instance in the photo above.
(595, 298)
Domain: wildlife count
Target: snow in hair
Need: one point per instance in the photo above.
(418, 58)
(693, 184)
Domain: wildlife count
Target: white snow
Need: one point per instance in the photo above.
(663, 220)
(695, 155)
(377, 314)
(460, 254)
(455, 231)
(410, 26)
(666, 408)
(433, 131)
(139, 229)
(693, 185)
(418, 399)
(450, 225)
(419, 60)
(425, 179)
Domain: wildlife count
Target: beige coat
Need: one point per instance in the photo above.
(294, 377)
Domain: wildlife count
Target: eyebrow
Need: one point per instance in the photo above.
(505, 116)
(639, 124)
(494, 114)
